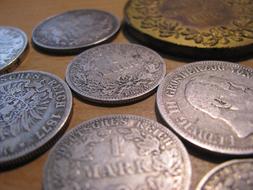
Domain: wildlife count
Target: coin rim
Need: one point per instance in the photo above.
(176, 140)
(38, 147)
(73, 48)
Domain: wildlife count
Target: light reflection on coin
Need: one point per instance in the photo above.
(118, 152)
(231, 175)
(209, 104)
(34, 106)
(13, 43)
(73, 31)
(115, 73)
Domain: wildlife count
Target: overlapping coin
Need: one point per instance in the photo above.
(115, 73)
(194, 28)
(231, 175)
(74, 31)
(118, 152)
(209, 104)
(34, 107)
(13, 43)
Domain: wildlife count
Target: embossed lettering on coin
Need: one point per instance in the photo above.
(231, 175)
(13, 43)
(210, 104)
(118, 152)
(115, 73)
(75, 30)
(34, 107)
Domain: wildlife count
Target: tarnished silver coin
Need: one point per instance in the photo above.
(34, 106)
(75, 30)
(118, 152)
(115, 73)
(13, 43)
(210, 104)
(231, 175)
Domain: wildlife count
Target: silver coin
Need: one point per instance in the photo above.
(115, 73)
(231, 175)
(75, 30)
(34, 106)
(209, 103)
(13, 43)
(118, 152)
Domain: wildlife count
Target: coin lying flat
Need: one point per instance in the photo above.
(34, 106)
(115, 73)
(209, 104)
(13, 43)
(218, 28)
(231, 175)
(118, 152)
(73, 31)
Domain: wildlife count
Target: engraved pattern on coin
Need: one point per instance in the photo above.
(115, 73)
(216, 23)
(209, 103)
(34, 106)
(13, 43)
(118, 152)
(75, 29)
(231, 175)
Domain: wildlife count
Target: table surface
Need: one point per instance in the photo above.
(26, 14)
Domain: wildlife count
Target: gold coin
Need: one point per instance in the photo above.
(198, 24)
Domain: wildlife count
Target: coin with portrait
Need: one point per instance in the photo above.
(118, 152)
(209, 103)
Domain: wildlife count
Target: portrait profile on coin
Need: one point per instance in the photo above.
(224, 100)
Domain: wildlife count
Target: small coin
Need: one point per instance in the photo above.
(34, 106)
(202, 28)
(115, 73)
(209, 103)
(13, 43)
(76, 30)
(231, 175)
(118, 152)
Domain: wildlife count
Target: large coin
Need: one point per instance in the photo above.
(118, 152)
(13, 43)
(115, 73)
(203, 28)
(231, 175)
(34, 106)
(73, 31)
(209, 103)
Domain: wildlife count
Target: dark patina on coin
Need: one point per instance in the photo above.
(13, 43)
(196, 28)
(34, 106)
(209, 104)
(231, 175)
(115, 73)
(118, 152)
(74, 31)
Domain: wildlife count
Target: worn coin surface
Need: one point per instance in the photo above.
(209, 104)
(231, 175)
(194, 27)
(118, 152)
(75, 30)
(13, 43)
(34, 106)
(115, 73)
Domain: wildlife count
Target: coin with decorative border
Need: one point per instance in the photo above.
(115, 73)
(231, 175)
(118, 152)
(217, 28)
(34, 108)
(73, 31)
(13, 43)
(209, 103)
